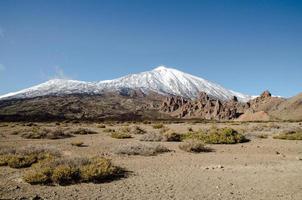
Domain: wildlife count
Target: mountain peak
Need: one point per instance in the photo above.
(162, 80)
(162, 68)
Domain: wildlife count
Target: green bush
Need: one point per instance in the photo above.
(217, 136)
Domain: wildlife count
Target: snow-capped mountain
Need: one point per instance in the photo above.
(163, 80)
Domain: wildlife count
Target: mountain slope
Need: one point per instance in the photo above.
(162, 80)
(291, 109)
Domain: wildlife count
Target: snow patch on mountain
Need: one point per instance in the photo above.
(163, 80)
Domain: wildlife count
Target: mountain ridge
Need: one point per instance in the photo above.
(163, 80)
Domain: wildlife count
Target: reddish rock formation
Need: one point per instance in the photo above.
(204, 107)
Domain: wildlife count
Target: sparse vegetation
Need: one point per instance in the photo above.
(68, 171)
(290, 135)
(46, 133)
(152, 137)
(120, 135)
(141, 149)
(194, 145)
(171, 136)
(217, 136)
(25, 157)
(157, 126)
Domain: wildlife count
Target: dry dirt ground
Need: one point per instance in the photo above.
(259, 169)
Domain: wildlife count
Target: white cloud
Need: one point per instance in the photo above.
(2, 67)
(59, 73)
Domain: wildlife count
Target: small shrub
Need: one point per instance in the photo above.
(120, 135)
(151, 137)
(97, 170)
(217, 136)
(157, 126)
(193, 145)
(26, 156)
(65, 174)
(21, 161)
(45, 133)
(171, 136)
(141, 149)
(69, 171)
(290, 135)
(125, 129)
(77, 143)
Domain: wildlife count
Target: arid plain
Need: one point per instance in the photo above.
(261, 168)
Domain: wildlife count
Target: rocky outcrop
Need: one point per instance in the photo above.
(204, 106)
(262, 108)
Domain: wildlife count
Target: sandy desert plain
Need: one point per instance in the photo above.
(261, 168)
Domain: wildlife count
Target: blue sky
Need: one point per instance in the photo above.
(246, 46)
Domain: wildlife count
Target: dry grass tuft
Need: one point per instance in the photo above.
(193, 145)
(46, 133)
(171, 136)
(290, 135)
(141, 149)
(152, 137)
(70, 171)
(26, 156)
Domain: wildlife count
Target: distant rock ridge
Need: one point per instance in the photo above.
(207, 107)
(204, 106)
